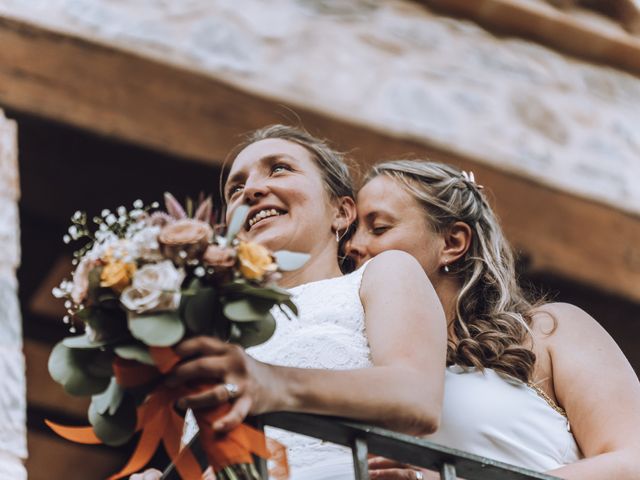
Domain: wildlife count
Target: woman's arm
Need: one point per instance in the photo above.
(403, 390)
(597, 387)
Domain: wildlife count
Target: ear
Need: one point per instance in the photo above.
(345, 214)
(457, 240)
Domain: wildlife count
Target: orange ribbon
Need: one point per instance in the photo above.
(158, 422)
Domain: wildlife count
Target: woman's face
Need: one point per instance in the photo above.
(289, 206)
(389, 218)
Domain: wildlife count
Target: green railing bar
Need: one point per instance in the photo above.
(400, 447)
(448, 472)
(360, 451)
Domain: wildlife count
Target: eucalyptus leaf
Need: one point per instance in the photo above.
(276, 294)
(107, 324)
(247, 309)
(288, 261)
(70, 368)
(101, 364)
(117, 428)
(109, 400)
(158, 329)
(292, 306)
(200, 309)
(256, 333)
(135, 351)
(83, 342)
(236, 223)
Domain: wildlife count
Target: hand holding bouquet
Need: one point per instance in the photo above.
(144, 281)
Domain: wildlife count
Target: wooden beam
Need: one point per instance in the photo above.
(555, 28)
(121, 95)
(53, 458)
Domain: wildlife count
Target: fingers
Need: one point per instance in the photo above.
(203, 368)
(211, 398)
(201, 346)
(381, 463)
(234, 417)
(151, 474)
(393, 474)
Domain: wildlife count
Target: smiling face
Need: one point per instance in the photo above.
(389, 218)
(289, 205)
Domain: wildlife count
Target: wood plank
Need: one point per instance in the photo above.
(554, 28)
(121, 95)
(55, 458)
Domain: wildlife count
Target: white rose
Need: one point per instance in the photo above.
(154, 287)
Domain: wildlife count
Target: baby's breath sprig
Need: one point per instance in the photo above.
(117, 223)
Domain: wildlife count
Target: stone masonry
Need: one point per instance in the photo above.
(394, 66)
(13, 443)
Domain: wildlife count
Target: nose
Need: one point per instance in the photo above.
(254, 190)
(355, 249)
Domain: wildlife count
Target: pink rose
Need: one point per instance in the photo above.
(81, 280)
(218, 257)
(184, 239)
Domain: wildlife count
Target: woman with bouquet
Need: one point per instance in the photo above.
(541, 386)
(356, 348)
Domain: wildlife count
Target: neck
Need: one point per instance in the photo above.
(321, 265)
(448, 288)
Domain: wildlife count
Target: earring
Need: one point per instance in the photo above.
(446, 269)
(337, 236)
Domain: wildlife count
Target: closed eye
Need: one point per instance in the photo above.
(377, 231)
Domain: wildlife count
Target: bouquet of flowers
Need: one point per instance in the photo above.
(144, 280)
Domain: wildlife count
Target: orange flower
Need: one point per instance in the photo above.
(117, 274)
(255, 261)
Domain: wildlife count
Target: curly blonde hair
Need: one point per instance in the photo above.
(493, 316)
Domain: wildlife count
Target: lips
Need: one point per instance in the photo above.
(257, 215)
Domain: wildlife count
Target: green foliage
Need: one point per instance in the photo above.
(113, 428)
(134, 351)
(158, 329)
(236, 223)
(79, 371)
(288, 261)
(110, 399)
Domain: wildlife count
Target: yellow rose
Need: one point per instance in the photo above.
(255, 261)
(117, 274)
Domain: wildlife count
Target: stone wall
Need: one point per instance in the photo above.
(395, 66)
(13, 446)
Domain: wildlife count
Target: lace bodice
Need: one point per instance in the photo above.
(328, 333)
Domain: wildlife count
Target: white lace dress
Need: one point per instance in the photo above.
(328, 333)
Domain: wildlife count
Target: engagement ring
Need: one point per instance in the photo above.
(232, 390)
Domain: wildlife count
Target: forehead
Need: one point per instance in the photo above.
(254, 153)
(385, 193)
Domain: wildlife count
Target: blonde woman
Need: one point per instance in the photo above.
(351, 352)
(541, 386)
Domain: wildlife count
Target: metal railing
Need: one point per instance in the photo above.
(365, 439)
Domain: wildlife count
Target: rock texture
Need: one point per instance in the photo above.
(13, 445)
(395, 66)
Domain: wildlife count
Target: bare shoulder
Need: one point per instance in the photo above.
(562, 321)
(392, 267)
